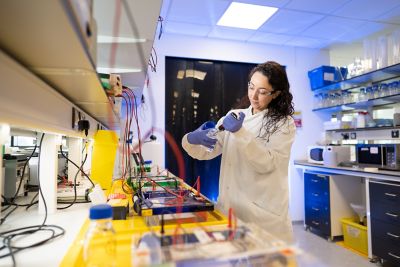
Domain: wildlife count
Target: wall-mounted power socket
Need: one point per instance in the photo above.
(76, 117)
(395, 133)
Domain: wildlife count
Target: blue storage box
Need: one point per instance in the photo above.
(323, 76)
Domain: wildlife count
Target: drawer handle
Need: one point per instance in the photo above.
(314, 181)
(315, 209)
(315, 194)
(316, 223)
(322, 176)
(394, 255)
(390, 195)
(392, 215)
(392, 235)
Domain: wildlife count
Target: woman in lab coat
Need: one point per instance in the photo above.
(255, 149)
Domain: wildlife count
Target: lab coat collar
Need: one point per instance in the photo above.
(249, 112)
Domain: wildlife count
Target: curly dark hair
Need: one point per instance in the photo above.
(279, 108)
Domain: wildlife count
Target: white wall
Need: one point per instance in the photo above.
(297, 60)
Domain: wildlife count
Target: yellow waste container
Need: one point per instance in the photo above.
(355, 235)
(103, 157)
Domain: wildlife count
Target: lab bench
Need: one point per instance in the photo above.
(382, 196)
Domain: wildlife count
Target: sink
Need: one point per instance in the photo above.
(360, 210)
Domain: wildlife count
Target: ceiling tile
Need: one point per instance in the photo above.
(206, 12)
(230, 33)
(307, 42)
(368, 10)
(361, 32)
(187, 28)
(270, 38)
(325, 7)
(290, 22)
(332, 27)
(393, 16)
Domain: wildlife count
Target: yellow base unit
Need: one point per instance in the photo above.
(126, 229)
(355, 235)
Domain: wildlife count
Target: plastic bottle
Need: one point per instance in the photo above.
(99, 248)
(214, 131)
(211, 133)
(361, 119)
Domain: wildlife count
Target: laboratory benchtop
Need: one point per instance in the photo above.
(352, 171)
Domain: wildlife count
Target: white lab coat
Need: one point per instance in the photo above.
(254, 173)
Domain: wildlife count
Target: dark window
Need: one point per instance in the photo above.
(198, 91)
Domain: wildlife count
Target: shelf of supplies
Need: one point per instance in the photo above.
(365, 129)
(386, 100)
(360, 80)
(45, 37)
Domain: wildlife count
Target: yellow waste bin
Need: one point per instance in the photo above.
(355, 235)
(103, 157)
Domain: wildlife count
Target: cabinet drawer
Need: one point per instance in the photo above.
(318, 217)
(386, 213)
(316, 196)
(385, 251)
(316, 182)
(384, 193)
(317, 210)
(386, 231)
(319, 224)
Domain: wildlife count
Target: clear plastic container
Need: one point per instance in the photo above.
(384, 90)
(213, 135)
(99, 248)
(363, 95)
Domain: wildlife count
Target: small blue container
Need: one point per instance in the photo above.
(323, 76)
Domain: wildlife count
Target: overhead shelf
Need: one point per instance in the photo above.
(386, 100)
(138, 23)
(369, 77)
(45, 37)
(365, 129)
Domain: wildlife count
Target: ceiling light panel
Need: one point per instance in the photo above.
(246, 16)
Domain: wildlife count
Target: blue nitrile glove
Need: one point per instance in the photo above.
(199, 136)
(231, 123)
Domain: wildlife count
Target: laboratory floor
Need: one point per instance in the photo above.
(319, 252)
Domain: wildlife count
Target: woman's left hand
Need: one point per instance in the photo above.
(231, 123)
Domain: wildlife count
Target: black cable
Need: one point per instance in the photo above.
(32, 201)
(75, 194)
(8, 214)
(40, 188)
(9, 236)
(73, 163)
(12, 199)
(160, 19)
(23, 173)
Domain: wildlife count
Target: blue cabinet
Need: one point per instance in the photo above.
(316, 202)
(327, 199)
(385, 220)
